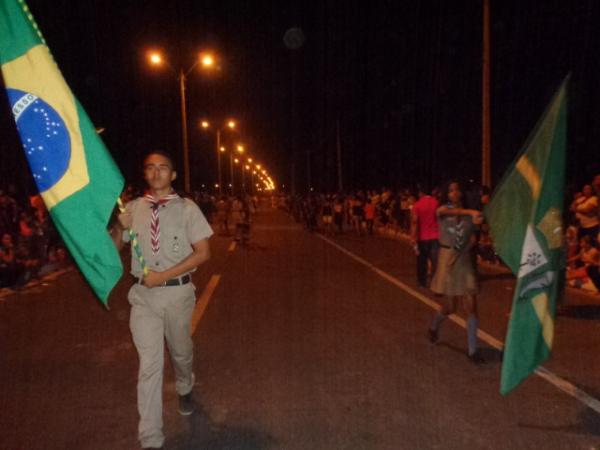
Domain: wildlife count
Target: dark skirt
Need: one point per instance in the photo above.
(455, 273)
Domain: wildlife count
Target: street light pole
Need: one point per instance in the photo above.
(219, 161)
(207, 61)
(231, 171)
(243, 180)
(184, 134)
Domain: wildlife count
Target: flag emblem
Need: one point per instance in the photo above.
(44, 135)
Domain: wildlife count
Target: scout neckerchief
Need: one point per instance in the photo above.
(154, 222)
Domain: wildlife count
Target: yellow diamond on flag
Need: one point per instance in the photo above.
(551, 227)
(540, 304)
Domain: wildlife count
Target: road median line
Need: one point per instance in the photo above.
(202, 302)
(541, 371)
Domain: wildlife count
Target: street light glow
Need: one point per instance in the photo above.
(222, 149)
(155, 58)
(231, 124)
(207, 60)
(204, 124)
(236, 160)
(249, 160)
(240, 149)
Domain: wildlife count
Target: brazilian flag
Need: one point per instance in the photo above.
(75, 174)
(525, 217)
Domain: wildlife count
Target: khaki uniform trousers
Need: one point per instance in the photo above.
(159, 314)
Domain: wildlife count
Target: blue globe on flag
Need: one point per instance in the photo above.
(44, 136)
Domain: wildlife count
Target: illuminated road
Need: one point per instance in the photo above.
(301, 343)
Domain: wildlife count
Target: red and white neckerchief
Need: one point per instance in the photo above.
(154, 222)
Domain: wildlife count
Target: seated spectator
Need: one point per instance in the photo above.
(29, 261)
(585, 207)
(594, 271)
(57, 260)
(587, 256)
(572, 244)
(9, 216)
(27, 227)
(10, 269)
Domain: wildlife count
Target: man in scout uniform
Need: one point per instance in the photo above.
(172, 234)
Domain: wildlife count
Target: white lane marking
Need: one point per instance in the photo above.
(202, 302)
(541, 371)
(231, 246)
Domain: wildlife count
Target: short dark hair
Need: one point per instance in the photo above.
(161, 153)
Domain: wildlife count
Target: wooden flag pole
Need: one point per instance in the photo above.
(134, 242)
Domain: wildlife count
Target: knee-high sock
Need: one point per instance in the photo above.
(472, 324)
(437, 320)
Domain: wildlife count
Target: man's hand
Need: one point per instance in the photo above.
(154, 279)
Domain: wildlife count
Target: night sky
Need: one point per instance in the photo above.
(402, 79)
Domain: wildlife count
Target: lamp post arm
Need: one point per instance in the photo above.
(184, 135)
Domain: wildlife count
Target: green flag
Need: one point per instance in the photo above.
(525, 217)
(75, 174)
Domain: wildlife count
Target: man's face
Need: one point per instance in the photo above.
(158, 172)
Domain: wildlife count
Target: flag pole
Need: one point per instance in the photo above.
(486, 177)
(134, 242)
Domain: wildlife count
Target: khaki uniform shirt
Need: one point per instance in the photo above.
(181, 225)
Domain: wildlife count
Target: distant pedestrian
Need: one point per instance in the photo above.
(369, 214)
(338, 214)
(222, 208)
(425, 233)
(327, 216)
(358, 215)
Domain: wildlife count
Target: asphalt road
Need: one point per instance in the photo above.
(301, 343)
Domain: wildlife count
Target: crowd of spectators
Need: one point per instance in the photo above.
(363, 212)
(581, 238)
(30, 246)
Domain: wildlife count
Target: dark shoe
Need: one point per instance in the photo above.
(186, 404)
(476, 358)
(433, 335)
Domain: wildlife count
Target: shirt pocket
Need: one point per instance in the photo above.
(176, 246)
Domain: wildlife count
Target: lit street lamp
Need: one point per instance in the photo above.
(207, 62)
(240, 149)
(229, 125)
